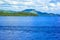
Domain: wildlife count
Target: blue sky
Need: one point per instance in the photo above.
(39, 5)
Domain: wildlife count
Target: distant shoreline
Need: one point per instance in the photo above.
(17, 14)
(13, 13)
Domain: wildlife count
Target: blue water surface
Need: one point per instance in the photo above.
(29, 21)
(29, 28)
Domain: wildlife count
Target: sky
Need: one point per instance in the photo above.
(50, 6)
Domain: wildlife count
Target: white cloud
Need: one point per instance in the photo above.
(1, 2)
(54, 7)
(52, 4)
(11, 2)
(28, 3)
(41, 5)
(58, 4)
(15, 7)
(19, 8)
(14, 2)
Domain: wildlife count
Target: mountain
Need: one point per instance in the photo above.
(14, 13)
(40, 13)
(28, 12)
(34, 11)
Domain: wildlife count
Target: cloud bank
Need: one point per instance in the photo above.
(39, 5)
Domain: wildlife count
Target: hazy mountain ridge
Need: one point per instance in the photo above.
(26, 12)
(41, 13)
(14, 13)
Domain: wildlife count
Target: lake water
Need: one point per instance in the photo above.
(29, 28)
(30, 21)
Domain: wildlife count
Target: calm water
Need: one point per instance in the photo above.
(29, 28)
(30, 21)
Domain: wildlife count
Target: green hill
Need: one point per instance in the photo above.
(8, 13)
(26, 13)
